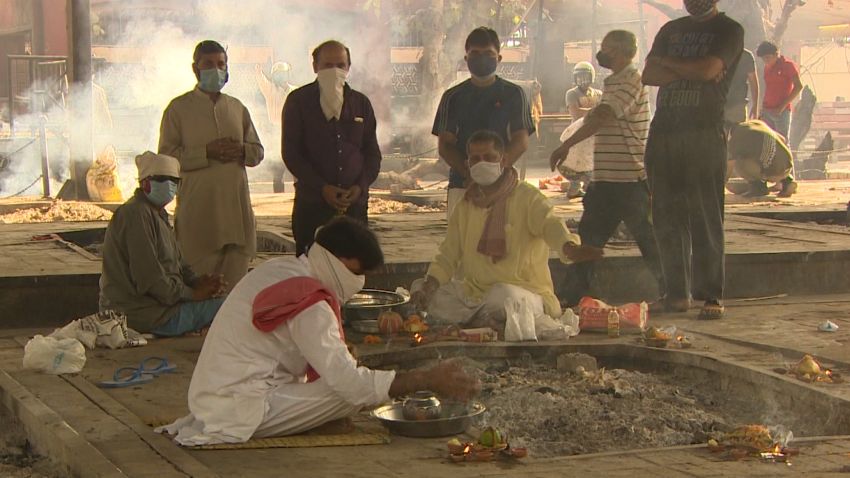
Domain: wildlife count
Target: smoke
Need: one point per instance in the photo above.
(149, 58)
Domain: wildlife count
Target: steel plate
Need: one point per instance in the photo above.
(456, 418)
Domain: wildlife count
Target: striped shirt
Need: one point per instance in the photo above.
(620, 143)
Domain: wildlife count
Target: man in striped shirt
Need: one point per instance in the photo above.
(618, 191)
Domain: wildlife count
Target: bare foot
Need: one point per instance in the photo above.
(197, 333)
(342, 426)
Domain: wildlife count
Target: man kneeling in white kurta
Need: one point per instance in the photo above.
(499, 238)
(275, 360)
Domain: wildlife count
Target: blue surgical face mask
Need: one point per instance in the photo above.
(162, 192)
(212, 80)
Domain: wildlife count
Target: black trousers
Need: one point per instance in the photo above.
(307, 216)
(607, 204)
(687, 172)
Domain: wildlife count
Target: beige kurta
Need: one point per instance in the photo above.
(213, 201)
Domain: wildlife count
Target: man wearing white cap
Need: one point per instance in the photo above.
(144, 276)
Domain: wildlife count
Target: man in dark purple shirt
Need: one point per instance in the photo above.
(329, 145)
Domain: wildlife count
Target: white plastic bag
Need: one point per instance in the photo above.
(519, 324)
(580, 157)
(549, 329)
(54, 356)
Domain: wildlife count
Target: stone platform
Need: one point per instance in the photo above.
(49, 282)
(786, 273)
(98, 432)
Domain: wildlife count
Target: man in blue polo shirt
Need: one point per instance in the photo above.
(483, 102)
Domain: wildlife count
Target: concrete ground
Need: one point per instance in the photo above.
(761, 335)
(95, 432)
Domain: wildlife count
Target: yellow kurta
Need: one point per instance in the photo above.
(532, 229)
(213, 201)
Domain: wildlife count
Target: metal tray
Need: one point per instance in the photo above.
(369, 303)
(456, 417)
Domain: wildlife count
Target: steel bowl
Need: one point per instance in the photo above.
(454, 419)
(369, 303)
(422, 405)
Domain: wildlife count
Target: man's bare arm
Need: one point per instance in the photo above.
(577, 111)
(707, 68)
(755, 93)
(517, 146)
(656, 75)
(798, 88)
(447, 379)
(592, 124)
(450, 152)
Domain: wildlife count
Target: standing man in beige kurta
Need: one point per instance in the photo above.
(214, 138)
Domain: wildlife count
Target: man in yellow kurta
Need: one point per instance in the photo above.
(213, 137)
(499, 236)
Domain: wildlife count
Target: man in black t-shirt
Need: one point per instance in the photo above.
(692, 61)
(483, 102)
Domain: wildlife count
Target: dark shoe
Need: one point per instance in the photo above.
(788, 189)
(757, 189)
(711, 310)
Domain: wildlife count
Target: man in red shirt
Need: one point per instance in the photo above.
(782, 86)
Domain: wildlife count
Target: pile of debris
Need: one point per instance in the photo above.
(389, 206)
(554, 412)
(57, 211)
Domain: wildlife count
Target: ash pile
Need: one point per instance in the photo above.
(577, 409)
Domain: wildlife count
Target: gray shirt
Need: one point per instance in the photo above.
(739, 89)
(143, 275)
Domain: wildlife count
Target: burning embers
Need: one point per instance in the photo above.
(491, 444)
(756, 441)
(454, 334)
(808, 369)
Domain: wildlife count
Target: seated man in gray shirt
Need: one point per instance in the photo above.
(144, 276)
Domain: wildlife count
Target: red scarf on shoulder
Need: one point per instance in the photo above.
(281, 302)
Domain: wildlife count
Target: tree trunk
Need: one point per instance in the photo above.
(782, 23)
(666, 9)
(432, 78)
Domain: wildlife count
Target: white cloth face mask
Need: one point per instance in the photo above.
(485, 173)
(331, 89)
(333, 274)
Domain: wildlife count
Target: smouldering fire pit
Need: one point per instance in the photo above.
(643, 397)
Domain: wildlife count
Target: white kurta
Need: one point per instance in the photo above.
(213, 201)
(251, 383)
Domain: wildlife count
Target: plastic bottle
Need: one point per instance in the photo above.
(613, 323)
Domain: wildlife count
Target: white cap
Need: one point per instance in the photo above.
(152, 164)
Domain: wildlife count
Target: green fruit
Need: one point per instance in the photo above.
(455, 442)
(490, 437)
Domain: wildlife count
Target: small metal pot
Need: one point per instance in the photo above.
(422, 405)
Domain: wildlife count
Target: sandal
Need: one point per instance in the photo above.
(121, 379)
(711, 310)
(159, 365)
